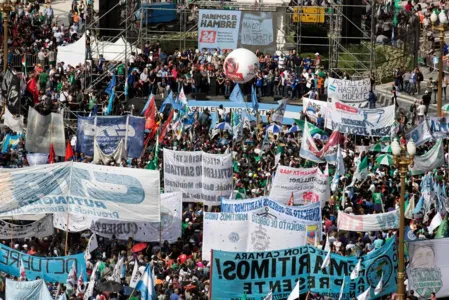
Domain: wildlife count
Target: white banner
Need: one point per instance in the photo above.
(182, 172)
(39, 229)
(314, 107)
(218, 28)
(428, 270)
(24, 290)
(429, 161)
(251, 232)
(217, 177)
(360, 121)
(119, 194)
(171, 218)
(385, 221)
(349, 91)
(420, 134)
(307, 185)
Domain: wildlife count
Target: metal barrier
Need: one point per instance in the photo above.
(15, 61)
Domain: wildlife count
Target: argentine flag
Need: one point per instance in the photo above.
(146, 285)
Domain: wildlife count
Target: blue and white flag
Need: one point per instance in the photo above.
(146, 285)
(236, 95)
(110, 104)
(254, 101)
(171, 101)
(147, 104)
(278, 115)
(110, 89)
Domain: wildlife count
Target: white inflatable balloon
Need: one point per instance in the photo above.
(241, 65)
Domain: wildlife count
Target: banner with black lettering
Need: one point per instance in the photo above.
(217, 177)
(24, 290)
(50, 269)
(39, 229)
(257, 273)
(349, 91)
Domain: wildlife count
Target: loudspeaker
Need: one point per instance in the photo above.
(213, 87)
(353, 12)
(109, 13)
(200, 96)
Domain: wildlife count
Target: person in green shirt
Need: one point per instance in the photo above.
(43, 79)
(121, 69)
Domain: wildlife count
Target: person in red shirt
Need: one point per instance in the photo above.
(409, 6)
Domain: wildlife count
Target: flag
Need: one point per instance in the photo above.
(278, 115)
(68, 152)
(79, 286)
(327, 245)
(364, 295)
(326, 261)
(90, 288)
(92, 244)
(182, 97)
(291, 201)
(22, 270)
(342, 289)
(236, 95)
(443, 230)
(110, 103)
(150, 114)
(111, 86)
(146, 285)
(165, 126)
(32, 88)
(436, 221)
(52, 155)
(154, 163)
(339, 170)
(356, 271)
(167, 101)
(269, 296)
(410, 207)
(295, 293)
(126, 90)
(14, 95)
(362, 170)
(379, 285)
(309, 150)
(71, 278)
(244, 296)
(135, 277)
(24, 64)
(14, 123)
(147, 104)
(254, 101)
(117, 272)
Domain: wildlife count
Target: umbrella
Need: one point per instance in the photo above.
(376, 147)
(139, 247)
(445, 107)
(274, 128)
(387, 149)
(385, 159)
(293, 129)
(109, 286)
(223, 126)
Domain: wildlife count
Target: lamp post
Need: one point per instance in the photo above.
(441, 27)
(402, 161)
(5, 7)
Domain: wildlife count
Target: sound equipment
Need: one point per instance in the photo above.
(200, 96)
(213, 87)
(354, 14)
(109, 13)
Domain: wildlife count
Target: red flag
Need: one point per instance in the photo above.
(68, 152)
(165, 126)
(32, 88)
(291, 201)
(52, 155)
(150, 115)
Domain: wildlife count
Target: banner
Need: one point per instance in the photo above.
(50, 269)
(307, 185)
(420, 134)
(43, 131)
(217, 178)
(429, 161)
(39, 229)
(171, 218)
(251, 232)
(377, 222)
(27, 290)
(257, 273)
(14, 96)
(218, 28)
(14, 123)
(439, 127)
(349, 91)
(183, 172)
(108, 132)
(428, 270)
(120, 194)
(314, 107)
(35, 159)
(360, 121)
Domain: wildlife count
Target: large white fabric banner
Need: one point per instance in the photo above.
(349, 91)
(429, 161)
(27, 290)
(39, 229)
(120, 194)
(428, 270)
(171, 218)
(182, 172)
(217, 177)
(314, 107)
(360, 121)
(307, 185)
(385, 221)
(251, 232)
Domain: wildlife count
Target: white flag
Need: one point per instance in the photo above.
(410, 208)
(295, 293)
(117, 271)
(327, 246)
(71, 278)
(79, 287)
(365, 295)
(22, 270)
(135, 277)
(91, 246)
(355, 272)
(182, 96)
(436, 221)
(269, 296)
(90, 288)
(342, 289)
(326, 261)
(379, 286)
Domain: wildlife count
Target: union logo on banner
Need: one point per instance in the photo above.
(310, 197)
(208, 36)
(347, 108)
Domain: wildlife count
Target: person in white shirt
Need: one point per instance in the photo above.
(281, 62)
(421, 111)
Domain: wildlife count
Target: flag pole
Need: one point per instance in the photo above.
(67, 234)
(12, 232)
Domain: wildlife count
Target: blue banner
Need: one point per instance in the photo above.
(109, 131)
(255, 274)
(50, 269)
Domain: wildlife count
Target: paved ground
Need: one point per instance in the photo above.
(61, 9)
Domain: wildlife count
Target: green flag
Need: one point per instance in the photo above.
(377, 197)
(312, 128)
(362, 170)
(154, 163)
(244, 296)
(443, 230)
